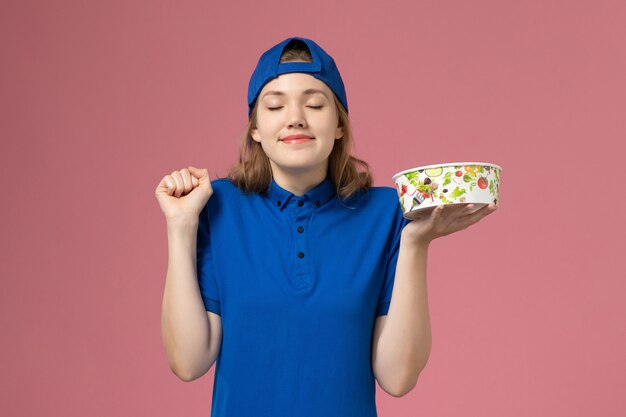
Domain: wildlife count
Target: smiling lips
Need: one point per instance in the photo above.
(295, 139)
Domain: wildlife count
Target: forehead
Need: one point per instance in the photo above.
(294, 83)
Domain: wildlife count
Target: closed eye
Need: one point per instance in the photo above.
(280, 107)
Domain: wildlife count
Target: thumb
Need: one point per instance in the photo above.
(199, 176)
(198, 172)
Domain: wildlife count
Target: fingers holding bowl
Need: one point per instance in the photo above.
(474, 216)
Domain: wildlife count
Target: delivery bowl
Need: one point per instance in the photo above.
(423, 188)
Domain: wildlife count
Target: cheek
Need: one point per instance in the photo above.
(269, 128)
(263, 133)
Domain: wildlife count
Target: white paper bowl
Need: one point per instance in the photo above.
(421, 189)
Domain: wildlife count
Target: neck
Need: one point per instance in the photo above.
(299, 182)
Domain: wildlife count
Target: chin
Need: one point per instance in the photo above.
(296, 164)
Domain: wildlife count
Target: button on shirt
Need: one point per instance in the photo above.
(298, 282)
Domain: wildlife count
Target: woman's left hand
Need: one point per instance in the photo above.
(444, 220)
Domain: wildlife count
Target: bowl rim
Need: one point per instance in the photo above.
(443, 165)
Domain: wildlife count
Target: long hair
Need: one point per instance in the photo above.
(253, 173)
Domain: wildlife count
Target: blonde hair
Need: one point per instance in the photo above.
(253, 173)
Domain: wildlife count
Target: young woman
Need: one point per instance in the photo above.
(301, 281)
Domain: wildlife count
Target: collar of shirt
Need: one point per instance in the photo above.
(317, 196)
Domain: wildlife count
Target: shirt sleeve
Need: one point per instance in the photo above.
(205, 267)
(392, 258)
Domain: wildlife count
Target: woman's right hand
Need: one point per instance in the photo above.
(183, 194)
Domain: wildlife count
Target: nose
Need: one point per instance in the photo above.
(296, 117)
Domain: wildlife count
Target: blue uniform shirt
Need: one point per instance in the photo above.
(298, 283)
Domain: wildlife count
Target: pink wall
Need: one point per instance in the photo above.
(100, 100)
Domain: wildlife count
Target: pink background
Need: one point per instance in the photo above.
(100, 100)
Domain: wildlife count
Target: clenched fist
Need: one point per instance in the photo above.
(183, 194)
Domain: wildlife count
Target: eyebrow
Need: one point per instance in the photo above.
(306, 92)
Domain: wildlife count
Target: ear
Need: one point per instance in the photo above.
(339, 132)
(254, 133)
